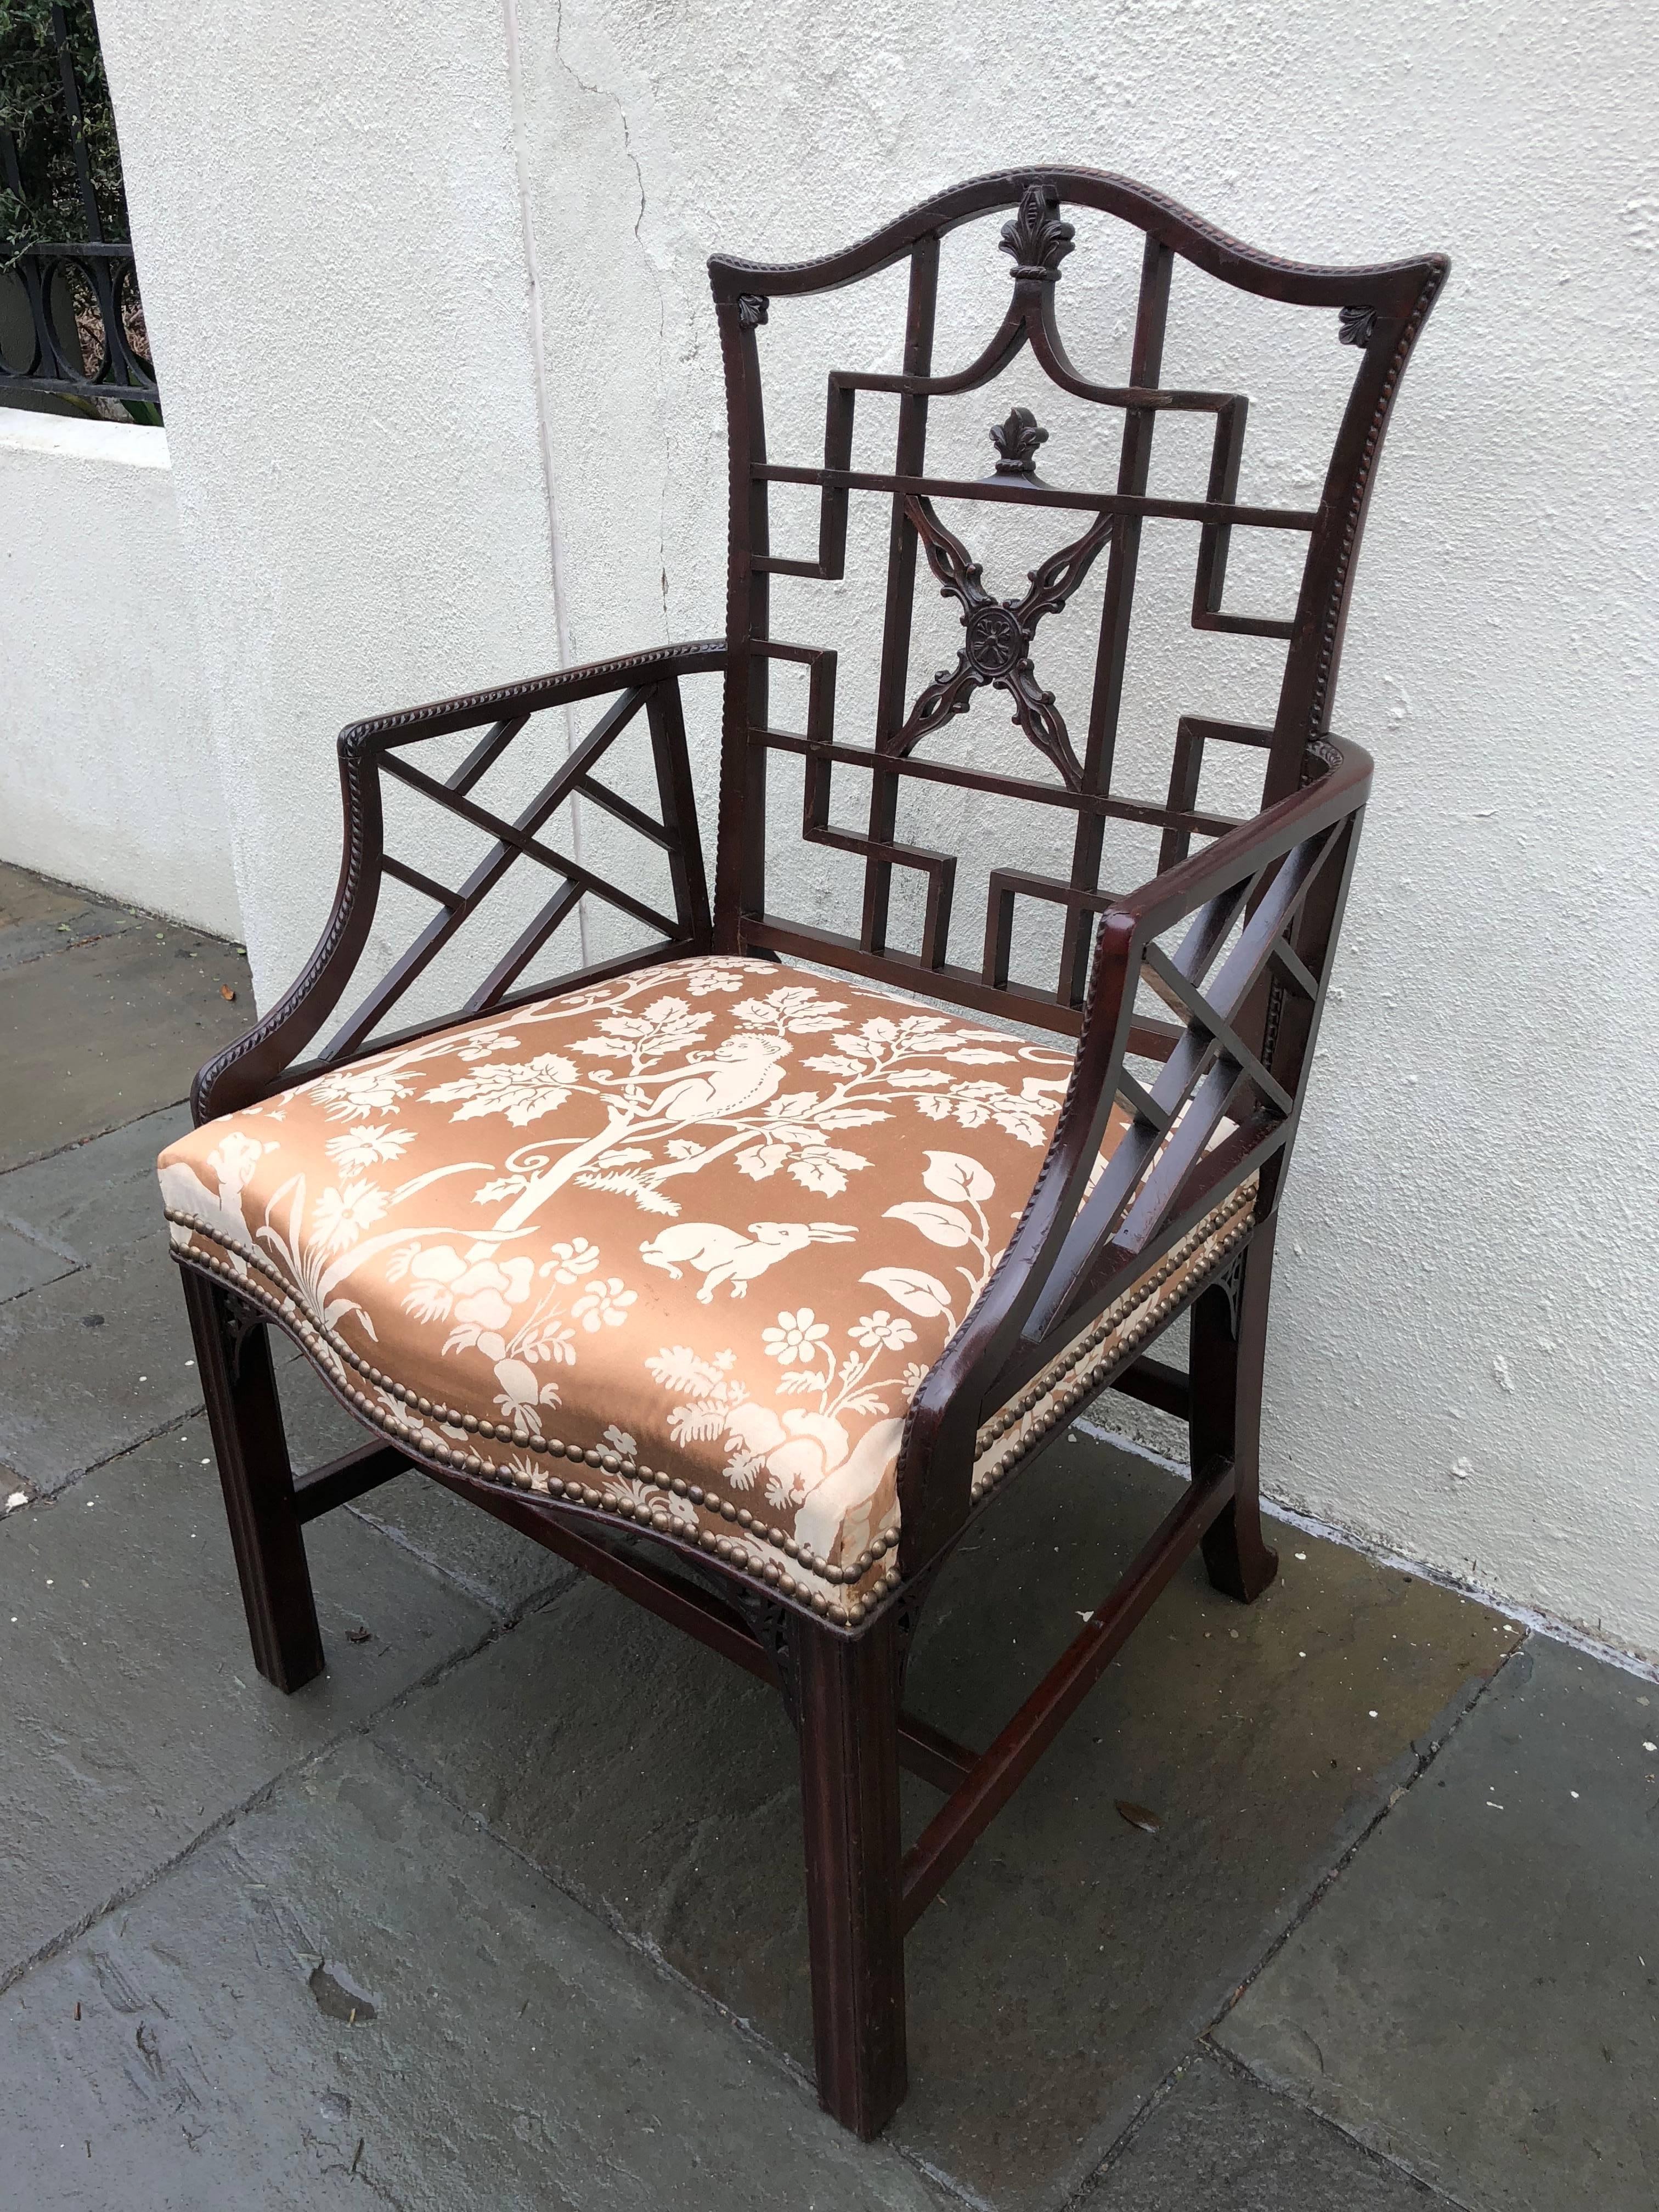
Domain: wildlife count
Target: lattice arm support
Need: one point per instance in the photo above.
(1251, 1000)
(641, 684)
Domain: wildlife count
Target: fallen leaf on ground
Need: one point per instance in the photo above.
(357, 1636)
(225, 991)
(1139, 1817)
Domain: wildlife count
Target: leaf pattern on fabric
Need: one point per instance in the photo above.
(706, 1208)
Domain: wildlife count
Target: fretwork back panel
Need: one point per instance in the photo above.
(934, 719)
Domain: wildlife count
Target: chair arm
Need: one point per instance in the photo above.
(1243, 1056)
(260, 1062)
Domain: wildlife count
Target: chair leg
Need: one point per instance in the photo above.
(1226, 1365)
(246, 1424)
(847, 1691)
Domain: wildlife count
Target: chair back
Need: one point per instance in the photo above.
(896, 465)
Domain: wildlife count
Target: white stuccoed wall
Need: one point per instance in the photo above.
(107, 777)
(327, 225)
(348, 298)
(1465, 1362)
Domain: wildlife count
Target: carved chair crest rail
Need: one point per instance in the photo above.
(779, 1479)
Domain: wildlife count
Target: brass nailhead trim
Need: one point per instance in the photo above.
(735, 1553)
(1234, 1225)
(1043, 1385)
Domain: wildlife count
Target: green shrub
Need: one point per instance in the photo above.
(49, 212)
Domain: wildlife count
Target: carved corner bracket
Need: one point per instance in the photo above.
(1354, 326)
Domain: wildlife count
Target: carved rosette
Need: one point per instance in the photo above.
(1037, 237)
(995, 642)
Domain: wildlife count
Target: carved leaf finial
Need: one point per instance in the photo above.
(1017, 438)
(1037, 237)
(752, 310)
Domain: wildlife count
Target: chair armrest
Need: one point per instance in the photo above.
(264, 1059)
(1243, 1056)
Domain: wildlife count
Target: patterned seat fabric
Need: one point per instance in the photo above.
(682, 1245)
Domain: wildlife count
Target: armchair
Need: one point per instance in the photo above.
(518, 1243)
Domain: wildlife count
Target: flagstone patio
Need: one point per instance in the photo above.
(507, 1908)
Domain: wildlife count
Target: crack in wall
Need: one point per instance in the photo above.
(598, 92)
(543, 431)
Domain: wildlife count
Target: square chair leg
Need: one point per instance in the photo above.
(1229, 1351)
(247, 1424)
(848, 1689)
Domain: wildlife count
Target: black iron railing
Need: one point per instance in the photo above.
(71, 322)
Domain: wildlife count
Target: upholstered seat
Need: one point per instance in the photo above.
(702, 1228)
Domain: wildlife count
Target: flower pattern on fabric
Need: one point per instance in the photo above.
(552, 1218)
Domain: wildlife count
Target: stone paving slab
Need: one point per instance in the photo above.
(495, 1562)
(95, 1350)
(26, 1265)
(1478, 1994)
(94, 1363)
(97, 1196)
(506, 2050)
(133, 1717)
(1220, 2142)
(1074, 1957)
(37, 917)
(96, 1035)
(26, 897)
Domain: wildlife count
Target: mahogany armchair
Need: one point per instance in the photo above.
(521, 1245)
